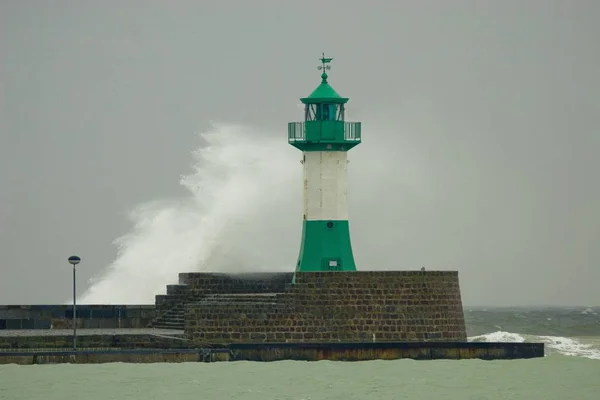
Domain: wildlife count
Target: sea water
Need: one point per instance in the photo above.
(556, 377)
(569, 371)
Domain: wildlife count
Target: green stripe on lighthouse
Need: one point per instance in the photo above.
(325, 246)
(325, 137)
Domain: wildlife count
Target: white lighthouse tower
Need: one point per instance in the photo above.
(324, 137)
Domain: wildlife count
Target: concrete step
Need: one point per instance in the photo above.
(169, 300)
(238, 304)
(179, 328)
(168, 325)
(169, 319)
(176, 290)
(170, 322)
(174, 311)
(227, 298)
(171, 316)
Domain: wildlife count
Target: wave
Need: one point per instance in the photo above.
(243, 185)
(554, 344)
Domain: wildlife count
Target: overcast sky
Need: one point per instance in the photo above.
(480, 124)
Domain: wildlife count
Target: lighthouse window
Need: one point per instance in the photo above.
(325, 112)
(341, 113)
(328, 112)
(332, 112)
(312, 112)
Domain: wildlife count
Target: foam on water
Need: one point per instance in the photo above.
(571, 347)
(498, 336)
(561, 345)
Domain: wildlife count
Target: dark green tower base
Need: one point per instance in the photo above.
(325, 246)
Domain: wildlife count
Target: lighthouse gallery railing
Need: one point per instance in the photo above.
(297, 132)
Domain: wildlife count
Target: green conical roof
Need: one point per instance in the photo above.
(324, 93)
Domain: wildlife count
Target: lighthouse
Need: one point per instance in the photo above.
(325, 137)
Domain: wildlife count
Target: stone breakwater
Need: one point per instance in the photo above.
(264, 317)
(148, 338)
(60, 316)
(372, 306)
(283, 351)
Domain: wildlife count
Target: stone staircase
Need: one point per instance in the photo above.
(170, 308)
(221, 290)
(173, 318)
(242, 298)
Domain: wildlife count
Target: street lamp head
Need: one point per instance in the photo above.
(74, 260)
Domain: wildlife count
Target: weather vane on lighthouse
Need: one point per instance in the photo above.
(324, 61)
(324, 66)
(324, 137)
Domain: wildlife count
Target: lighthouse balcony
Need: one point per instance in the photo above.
(329, 133)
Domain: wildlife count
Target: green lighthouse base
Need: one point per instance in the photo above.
(325, 246)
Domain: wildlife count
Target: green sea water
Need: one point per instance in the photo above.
(571, 370)
(554, 377)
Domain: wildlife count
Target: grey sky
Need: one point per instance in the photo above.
(480, 129)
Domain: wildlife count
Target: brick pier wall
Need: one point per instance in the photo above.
(59, 316)
(204, 284)
(107, 339)
(193, 287)
(325, 306)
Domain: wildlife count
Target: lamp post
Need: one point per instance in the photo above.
(74, 260)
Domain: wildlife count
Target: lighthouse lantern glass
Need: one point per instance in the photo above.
(324, 112)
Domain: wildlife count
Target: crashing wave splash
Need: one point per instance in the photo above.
(556, 344)
(243, 186)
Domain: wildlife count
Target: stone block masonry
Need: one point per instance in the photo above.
(283, 351)
(60, 316)
(170, 308)
(369, 306)
(92, 338)
(203, 284)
